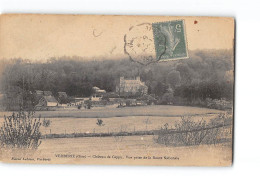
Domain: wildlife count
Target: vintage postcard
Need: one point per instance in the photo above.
(116, 90)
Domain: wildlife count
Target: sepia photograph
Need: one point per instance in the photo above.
(116, 90)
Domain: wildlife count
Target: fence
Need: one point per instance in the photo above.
(161, 132)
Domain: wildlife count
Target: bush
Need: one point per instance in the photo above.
(100, 122)
(193, 131)
(222, 134)
(221, 104)
(20, 130)
(167, 98)
(46, 123)
(188, 132)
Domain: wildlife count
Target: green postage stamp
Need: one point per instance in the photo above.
(170, 40)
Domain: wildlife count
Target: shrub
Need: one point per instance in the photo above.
(100, 122)
(188, 132)
(20, 130)
(147, 121)
(217, 135)
(222, 119)
(221, 104)
(46, 123)
(193, 132)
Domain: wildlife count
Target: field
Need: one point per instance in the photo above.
(113, 124)
(118, 119)
(127, 119)
(104, 112)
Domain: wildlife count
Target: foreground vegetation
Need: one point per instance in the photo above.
(20, 130)
(188, 132)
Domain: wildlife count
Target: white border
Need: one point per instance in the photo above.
(247, 84)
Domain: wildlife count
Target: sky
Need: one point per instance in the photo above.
(39, 37)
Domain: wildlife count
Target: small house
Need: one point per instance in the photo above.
(47, 101)
(79, 101)
(98, 92)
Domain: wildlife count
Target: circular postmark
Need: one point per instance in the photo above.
(139, 44)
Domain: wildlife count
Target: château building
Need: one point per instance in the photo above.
(131, 86)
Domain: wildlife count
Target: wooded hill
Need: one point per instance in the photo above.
(206, 74)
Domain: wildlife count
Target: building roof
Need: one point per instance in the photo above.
(39, 92)
(132, 81)
(100, 91)
(50, 99)
(96, 88)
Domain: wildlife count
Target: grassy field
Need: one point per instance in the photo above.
(104, 112)
(113, 124)
(127, 119)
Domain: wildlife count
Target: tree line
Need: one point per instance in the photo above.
(206, 74)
